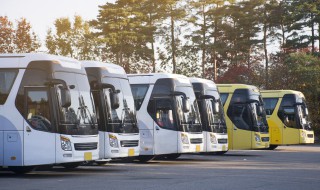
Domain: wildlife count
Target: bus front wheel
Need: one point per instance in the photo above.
(172, 156)
(272, 147)
(71, 165)
(145, 158)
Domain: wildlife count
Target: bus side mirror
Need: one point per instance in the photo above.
(259, 110)
(216, 107)
(65, 97)
(185, 105)
(305, 111)
(114, 99)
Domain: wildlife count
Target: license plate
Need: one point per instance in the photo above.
(198, 148)
(88, 156)
(131, 152)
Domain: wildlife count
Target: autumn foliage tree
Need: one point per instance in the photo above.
(17, 40)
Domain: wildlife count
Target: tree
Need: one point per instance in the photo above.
(6, 35)
(72, 39)
(119, 26)
(25, 40)
(174, 13)
(20, 40)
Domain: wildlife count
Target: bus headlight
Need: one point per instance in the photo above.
(257, 137)
(65, 143)
(184, 138)
(213, 139)
(113, 141)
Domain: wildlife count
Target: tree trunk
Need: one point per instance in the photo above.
(203, 43)
(173, 44)
(266, 54)
(312, 33)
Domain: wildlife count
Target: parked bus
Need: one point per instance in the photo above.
(245, 116)
(168, 115)
(212, 116)
(46, 112)
(288, 117)
(118, 130)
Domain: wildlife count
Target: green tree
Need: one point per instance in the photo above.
(72, 39)
(120, 28)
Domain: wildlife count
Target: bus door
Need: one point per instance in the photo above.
(39, 136)
(241, 122)
(290, 130)
(165, 130)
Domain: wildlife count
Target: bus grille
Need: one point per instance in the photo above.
(85, 146)
(196, 141)
(129, 143)
(310, 135)
(265, 139)
(222, 141)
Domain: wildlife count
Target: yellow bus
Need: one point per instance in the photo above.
(288, 117)
(245, 116)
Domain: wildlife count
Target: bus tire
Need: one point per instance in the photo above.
(172, 156)
(272, 147)
(145, 158)
(71, 165)
(220, 152)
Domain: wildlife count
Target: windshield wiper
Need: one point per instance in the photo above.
(82, 112)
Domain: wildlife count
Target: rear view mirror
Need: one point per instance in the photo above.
(216, 107)
(305, 111)
(65, 97)
(259, 110)
(185, 105)
(114, 100)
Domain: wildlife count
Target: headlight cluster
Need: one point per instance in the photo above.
(184, 138)
(65, 143)
(113, 141)
(257, 137)
(213, 139)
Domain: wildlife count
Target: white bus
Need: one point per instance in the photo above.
(212, 116)
(168, 115)
(118, 130)
(46, 112)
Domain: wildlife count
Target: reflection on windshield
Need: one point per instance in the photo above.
(216, 120)
(122, 119)
(303, 115)
(189, 120)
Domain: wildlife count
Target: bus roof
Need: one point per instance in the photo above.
(110, 67)
(151, 78)
(22, 60)
(279, 93)
(230, 88)
(210, 83)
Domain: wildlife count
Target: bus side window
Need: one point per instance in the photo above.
(38, 111)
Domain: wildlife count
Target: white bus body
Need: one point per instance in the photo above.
(46, 112)
(212, 115)
(167, 126)
(118, 130)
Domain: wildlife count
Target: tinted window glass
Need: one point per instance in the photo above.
(38, 112)
(7, 78)
(287, 111)
(139, 91)
(223, 97)
(270, 104)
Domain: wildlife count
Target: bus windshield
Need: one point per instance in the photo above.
(216, 121)
(190, 120)
(246, 111)
(303, 115)
(123, 118)
(79, 118)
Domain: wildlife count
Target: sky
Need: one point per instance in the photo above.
(42, 13)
